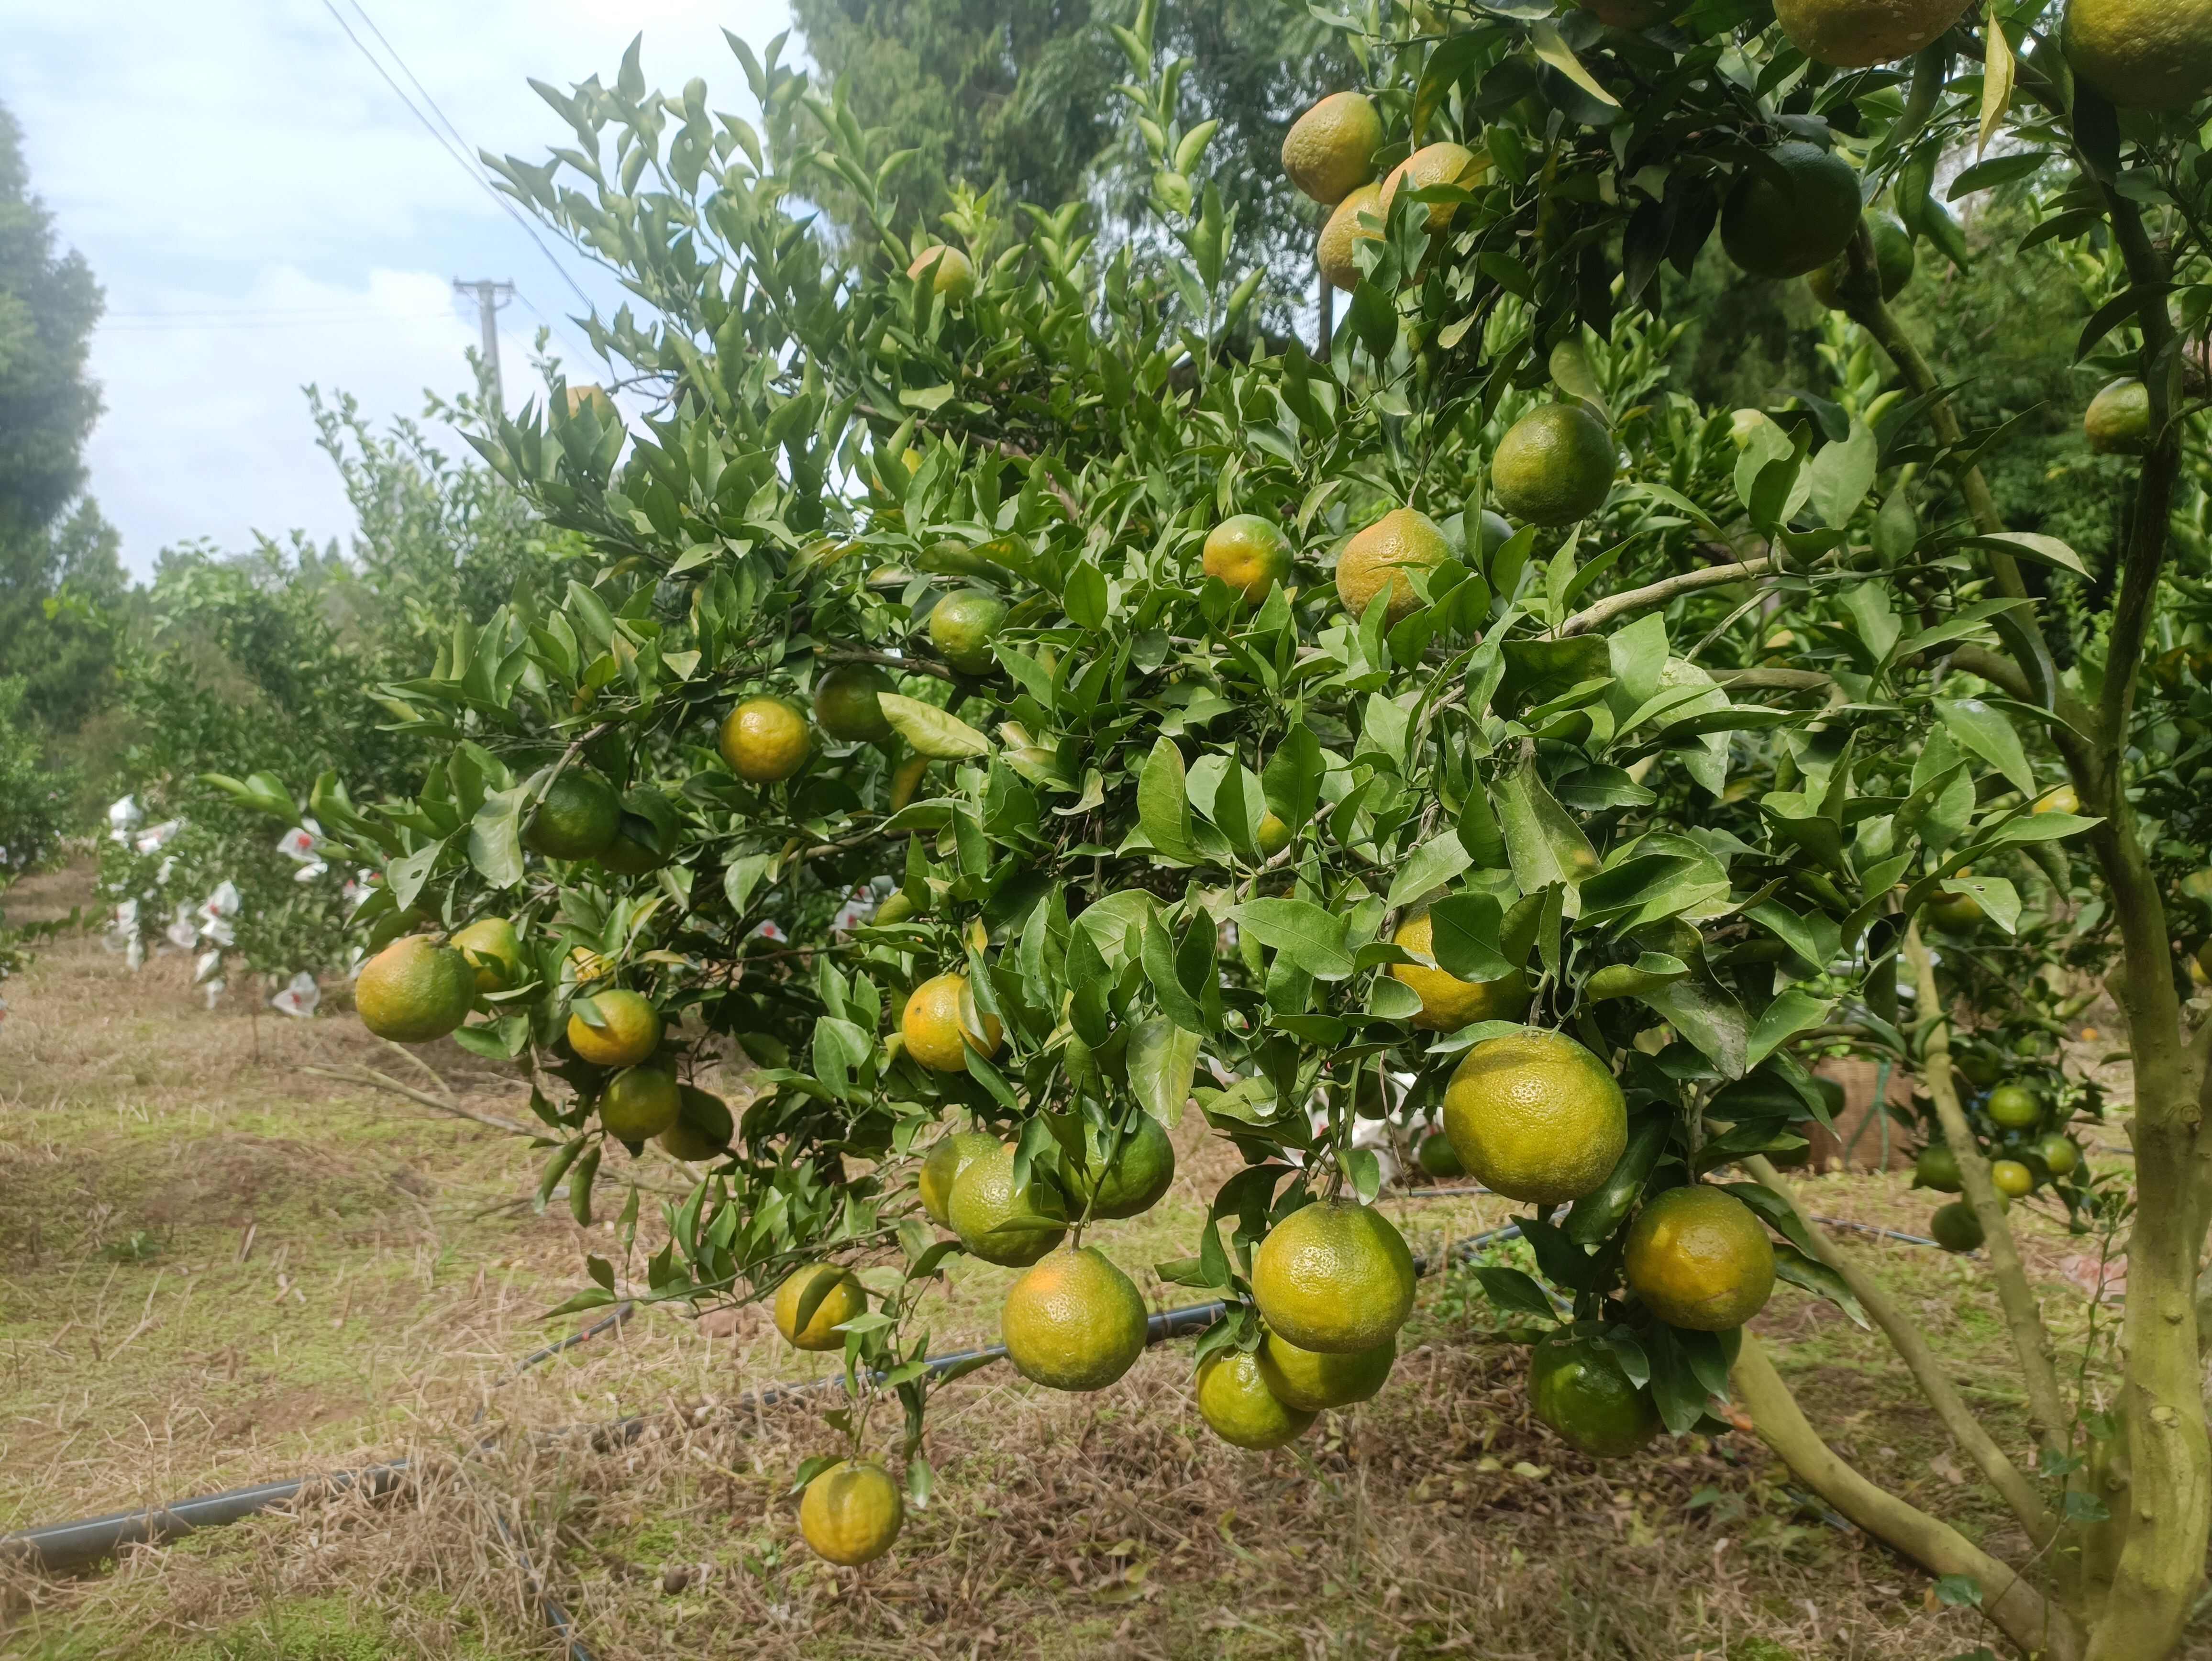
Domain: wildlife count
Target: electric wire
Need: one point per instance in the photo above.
(456, 148)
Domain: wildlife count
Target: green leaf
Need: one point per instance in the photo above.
(1544, 40)
(1544, 844)
(1163, 805)
(1708, 1018)
(1433, 864)
(495, 839)
(1842, 474)
(1464, 936)
(935, 732)
(1791, 1014)
(1163, 1059)
(1309, 937)
(1987, 732)
(2027, 544)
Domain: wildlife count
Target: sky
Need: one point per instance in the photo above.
(263, 212)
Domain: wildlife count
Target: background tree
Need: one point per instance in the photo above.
(59, 576)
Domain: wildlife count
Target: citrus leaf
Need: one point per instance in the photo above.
(1544, 40)
(1163, 1059)
(1309, 937)
(935, 732)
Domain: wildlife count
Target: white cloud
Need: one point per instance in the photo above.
(264, 212)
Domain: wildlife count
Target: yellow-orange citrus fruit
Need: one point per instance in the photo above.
(765, 740)
(640, 1103)
(851, 1513)
(1435, 164)
(1700, 1259)
(941, 1024)
(493, 951)
(1074, 1321)
(627, 1032)
(1237, 1405)
(848, 703)
(1853, 35)
(1554, 465)
(2064, 800)
(2141, 54)
(843, 1299)
(952, 1155)
(414, 991)
(999, 1223)
(1309, 1380)
(1448, 1003)
(2012, 1178)
(1536, 1117)
(2061, 1155)
(1334, 252)
(1248, 553)
(1330, 149)
(1380, 557)
(956, 272)
(595, 399)
(1333, 1276)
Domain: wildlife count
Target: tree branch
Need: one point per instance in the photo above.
(1659, 592)
(1920, 1360)
(2023, 1316)
(2037, 1625)
(912, 666)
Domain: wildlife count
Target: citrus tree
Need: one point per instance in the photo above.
(1205, 722)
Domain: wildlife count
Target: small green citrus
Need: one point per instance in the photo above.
(1074, 1321)
(999, 1223)
(1700, 1259)
(1333, 1276)
(841, 1298)
(640, 1103)
(962, 627)
(1795, 217)
(1234, 1400)
(577, 819)
(1578, 1388)
(1309, 1380)
(1555, 465)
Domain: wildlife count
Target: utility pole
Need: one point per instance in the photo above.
(490, 297)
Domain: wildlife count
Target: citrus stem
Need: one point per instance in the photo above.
(2023, 1316)
(2037, 1625)
(1920, 1360)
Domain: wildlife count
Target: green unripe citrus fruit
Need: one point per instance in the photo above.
(703, 1128)
(1309, 1380)
(1577, 1388)
(1853, 35)
(1234, 1400)
(493, 951)
(2141, 54)
(1937, 1167)
(1535, 1117)
(639, 1103)
(2118, 420)
(2015, 1107)
(847, 703)
(1788, 222)
(952, 1155)
(1894, 261)
(962, 627)
(956, 273)
(1955, 1227)
(1333, 1276)
(1555, 465)
(577, 819)
(2011, 1179)
(999, 1223)
(1138, 1177)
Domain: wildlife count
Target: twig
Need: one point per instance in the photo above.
(912, 666)
(1659, 592)
(376, 1080)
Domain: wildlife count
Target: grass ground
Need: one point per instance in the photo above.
(216, 1267)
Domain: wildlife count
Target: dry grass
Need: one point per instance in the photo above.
(389, 1287)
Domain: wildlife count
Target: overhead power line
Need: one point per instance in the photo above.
(456, 146)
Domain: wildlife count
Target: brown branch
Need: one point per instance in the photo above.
(2023, 1316)
(912, 666)
(1659, 592)
(2023, 1614)
(375, 1080)
(1921, 1361)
